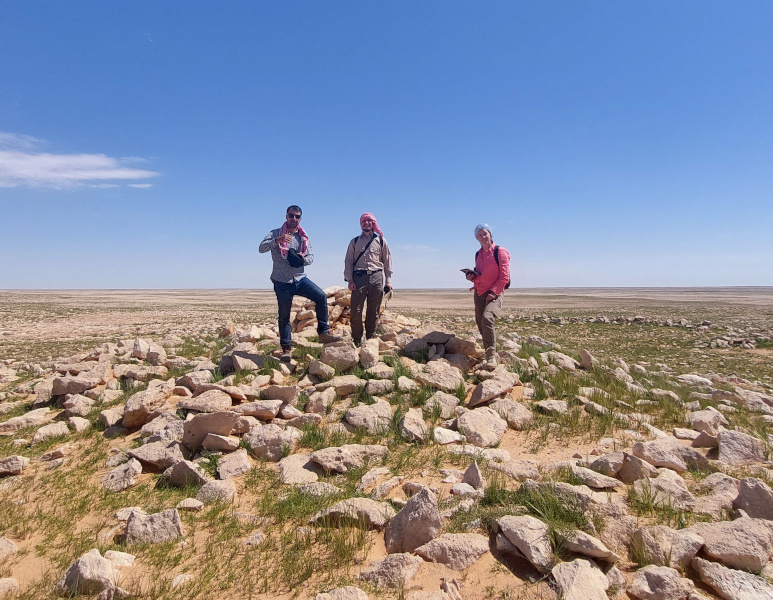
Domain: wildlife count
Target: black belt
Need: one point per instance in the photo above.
(361, 272)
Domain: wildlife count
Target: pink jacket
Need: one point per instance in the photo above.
(492, 277)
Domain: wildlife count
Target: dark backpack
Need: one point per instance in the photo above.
(496, 258)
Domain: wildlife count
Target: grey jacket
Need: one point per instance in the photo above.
(282, 271)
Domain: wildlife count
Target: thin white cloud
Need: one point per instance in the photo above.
(141, 186)
(21, 165)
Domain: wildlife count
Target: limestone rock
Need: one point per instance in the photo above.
(350, 456)
(359, 511)
(658, 583)
(49, 432)
(755, 498)
(737, 448)
(155, 528)
(667, 489)
(340, 356)
(123, 476)
(7, 548)
(583, 543)
(197, 428)
(580, 579)
(517, 414)
(374, 418)
(668, 452)
(482, 427)
(442, 404)
(210, 401)
(217, 491)
(271, 442)
(519, 470)
(160, 455)
(502, 382)
(412, 426)
(146, 405)
(394, 571)
(440, 375)
(416, 524)
(741, 544)
(234, 464)
(261, 409)
(345, 593)
(530, 537)
(662, 546)
(89, 574)
(731, 584)
(455, 550)
(13, 465)
(298, 469)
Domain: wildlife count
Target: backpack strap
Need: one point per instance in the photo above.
(365, 249)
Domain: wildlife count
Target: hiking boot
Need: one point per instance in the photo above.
(357, 342)
(287, 354)
(491, 360)
(328, 338)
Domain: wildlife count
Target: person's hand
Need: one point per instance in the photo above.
(352, 287)
(470, 276)
(288, 238)
(490, 297)
(387, 288)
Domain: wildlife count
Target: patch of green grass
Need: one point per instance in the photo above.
(649, 502)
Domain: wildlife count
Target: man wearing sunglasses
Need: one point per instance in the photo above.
(291, 252)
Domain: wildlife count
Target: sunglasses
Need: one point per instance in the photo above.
(291, 216)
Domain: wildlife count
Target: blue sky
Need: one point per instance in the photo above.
(154, 144)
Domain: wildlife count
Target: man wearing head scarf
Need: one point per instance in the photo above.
(291, 252)
(368, 270)
(490, 279)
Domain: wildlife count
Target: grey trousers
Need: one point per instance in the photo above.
(370, 288)
(485, 315)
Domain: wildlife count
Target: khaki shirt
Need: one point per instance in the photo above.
(377, 257)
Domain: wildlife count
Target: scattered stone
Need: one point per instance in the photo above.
(441, 375)
(501, 383)
(186, 473)
(190, 504)
(517, 414)
(657, 583)
(530, 537)
(123, 476)
(737, 448)
(271, 442)
(345, 593)
(90, 574)
(350, 456)
(394, 571)
(374, 418)
(364, 512)
(197, 428)
(741, 544)
(153, 529)
(663, 546)
(7, 548)
(217, 491)
(49, 432)
(412, 426)
(732, 584)
(583, 543)
(160, 455)
(553, 407)
(13, 465)
(298, 469)
(755, 498)
(482, 427)
(211, 401)
(455, 550)
(580, 579)
(416, 524)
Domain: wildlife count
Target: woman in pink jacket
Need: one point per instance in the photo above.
(490, 279)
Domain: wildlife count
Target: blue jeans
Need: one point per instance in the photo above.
(284, 298)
